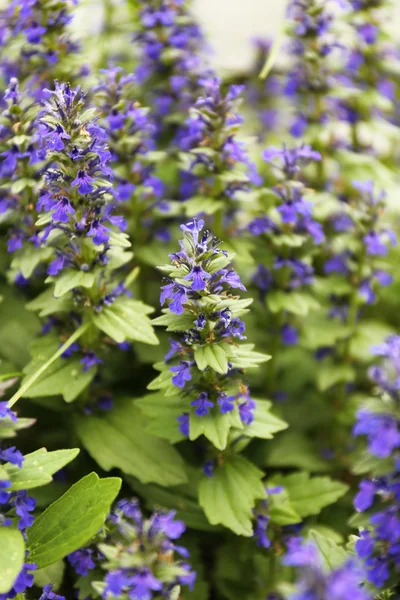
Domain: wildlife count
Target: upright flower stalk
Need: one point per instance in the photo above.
(378, 498)
(201, 381)
(78, 223)
(136, 557)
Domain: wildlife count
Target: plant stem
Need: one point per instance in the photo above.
(80, 331)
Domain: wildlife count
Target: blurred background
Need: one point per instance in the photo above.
(230, 25)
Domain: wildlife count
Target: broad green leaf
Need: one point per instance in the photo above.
(309, 495)
(265, 424)
(295, 450)
(12, 556)
(65, 377)
(213, 356)
(174, 322)
(163, 413)
(329, 374)
(70, 279)
(126, 319)
(280, 509)
(26, 261)
(119, 439)
(72, 520)
(214, 426)
(331, 554)
(243, 357)
(229, 496)
(52, 574)
(38, 468)
(46, 304)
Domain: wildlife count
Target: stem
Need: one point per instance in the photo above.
(80, 331)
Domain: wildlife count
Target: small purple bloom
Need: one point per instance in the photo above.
(202, 404)
(182, 374)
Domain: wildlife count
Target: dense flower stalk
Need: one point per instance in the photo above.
(16, 507)
(36, 47)
(203, 366)
(379, 496)
(137, 555)
(287, 237)
(171, 61)
(343, 583)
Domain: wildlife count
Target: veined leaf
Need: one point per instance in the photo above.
(213, 356)
(12, 556)
(126, 319)
(72, 520)
(265, 424)
(215, 426)
(38, 468)
(229, 496)
(120, 439)
(331, 554)
(70, 279)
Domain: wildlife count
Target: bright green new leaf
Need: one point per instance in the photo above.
(126, 319)
(229, 496)
(38, 468)
(331, 554)
(70, 279)
(214, 426)
(265, 424)
(52, 574)
(119, 439)
(309, 495)
(213, 356)
(12, 556)
(72, 520)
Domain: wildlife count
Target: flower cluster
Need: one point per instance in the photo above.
(378, 496)
(311, 77)
(343, 583)
(286, 222)
(206, 361)
(215, 165)
(171, 47)
(130, 137)
(15, 506)
(138, 555)
(39, 45)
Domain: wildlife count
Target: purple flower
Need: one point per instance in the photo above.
(7, 413)
(98, 231)
(83, 181)
(382, 431)
(56, 266)
(13, 456)
(90, 360)
(34, 32)
(48, 594)
(55, 139)
(202, 404)
(182, 374)
(184, 422)
(260, 531)
(198, 276)
(82, 561)
(166, 523)
(226, 403)
(63, 209)
(365, 496)
(290, 335)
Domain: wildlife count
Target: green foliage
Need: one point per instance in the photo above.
(12, 555)
(119, 440)
(229, 496)
(38, 468)
(72, 520)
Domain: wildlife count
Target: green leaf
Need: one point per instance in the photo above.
(272, 56)
(69, 279)
(213, 356)
(214, 426)
(243, 357)
(265, 424)
(38, 468)
(298, 303)
(52, 574)
(72, 520)
(126, 319)
(26, 261)
(119, 439)
(12, 556)
(329, 374)
(309, 495)
(280, 509)
(65, 377)
(229, 496)
(295, 450)
(331, 554)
